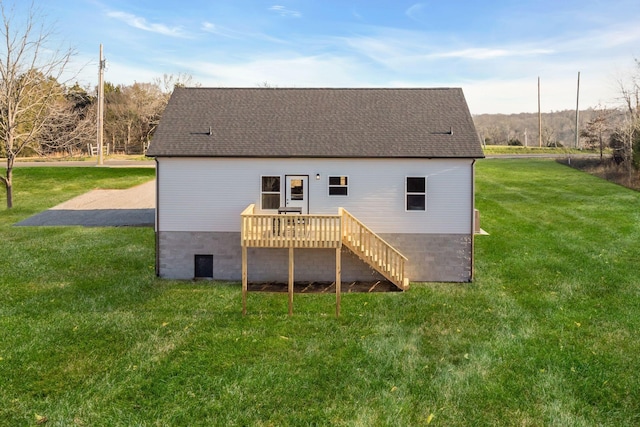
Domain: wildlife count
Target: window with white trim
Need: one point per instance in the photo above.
(270, 192)
(416, 193)
(338, 186)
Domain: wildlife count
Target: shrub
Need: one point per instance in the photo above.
(514, 142)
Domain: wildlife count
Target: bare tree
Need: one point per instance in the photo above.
(29, 72)
(630, 93)
(596, 130)
(133, 112)
(132, 115)
(549, 137)
(149, 103)
(168, 82)
(626, 139)
(67, 129)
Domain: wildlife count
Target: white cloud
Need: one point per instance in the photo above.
(415, 11)
(229, 33)
(220, 31)
(129, 74)
(283, 11)
(490, 53)
(118, 71)
(142, 24)
(282, 71)
(402, 50)
(622, 35)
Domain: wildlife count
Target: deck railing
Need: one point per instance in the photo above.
(285, 231)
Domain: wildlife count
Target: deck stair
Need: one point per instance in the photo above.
(318, 231)
(373, 250)
(324, 231)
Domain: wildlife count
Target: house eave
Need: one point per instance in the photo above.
(206, 156)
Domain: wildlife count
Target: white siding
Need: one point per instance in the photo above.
(209, 194)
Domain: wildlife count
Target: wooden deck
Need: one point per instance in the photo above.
(319, 231)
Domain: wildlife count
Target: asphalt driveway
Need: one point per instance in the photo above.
(103, 208)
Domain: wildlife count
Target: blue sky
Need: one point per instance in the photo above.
(495, 50)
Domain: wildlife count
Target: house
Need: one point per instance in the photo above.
(366, 183)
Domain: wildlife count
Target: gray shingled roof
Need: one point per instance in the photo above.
(265, 122)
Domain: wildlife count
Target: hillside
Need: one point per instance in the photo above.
(557, 127)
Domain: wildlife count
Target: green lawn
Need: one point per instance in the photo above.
(547, 334)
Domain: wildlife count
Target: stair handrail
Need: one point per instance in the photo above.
(394, 261)
(344, 212)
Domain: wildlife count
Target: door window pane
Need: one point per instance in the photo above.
(297, 189)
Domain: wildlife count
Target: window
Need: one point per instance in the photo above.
(270, 192)
(338, 186)
(416, 193)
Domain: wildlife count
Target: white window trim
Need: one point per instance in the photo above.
(406, 193)
(270, 192)
(329, 186)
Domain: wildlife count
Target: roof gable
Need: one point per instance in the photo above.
(350, 123)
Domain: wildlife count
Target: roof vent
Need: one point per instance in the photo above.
(209, 131)
(450, 130)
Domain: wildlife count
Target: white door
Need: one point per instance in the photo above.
(297, 192)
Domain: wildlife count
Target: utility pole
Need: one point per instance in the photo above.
(100, 120)
(539, 117)
(578, 113)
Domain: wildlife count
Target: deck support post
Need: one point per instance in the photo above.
(244, 280)
(338, 280)
(290, 281)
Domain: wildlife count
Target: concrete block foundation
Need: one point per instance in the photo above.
(432, 258)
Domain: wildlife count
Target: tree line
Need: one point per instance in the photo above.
(558, 128)
(603, 129)
(68, 123)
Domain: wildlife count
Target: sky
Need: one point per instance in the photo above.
(494, 50)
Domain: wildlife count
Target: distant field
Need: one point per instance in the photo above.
(545, 336)
(83, 158)
(507, 149)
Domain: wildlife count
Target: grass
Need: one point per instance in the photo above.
(546, 335)
(36, 189)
